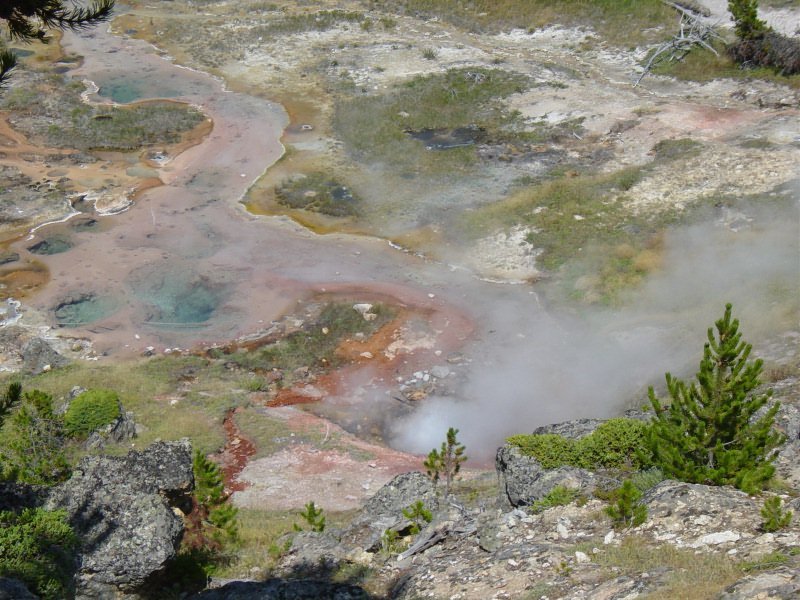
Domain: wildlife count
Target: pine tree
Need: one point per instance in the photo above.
(744, 14)
(447, 461)
(708, 433)
(31, 444)
(218, 524)
(28, 20)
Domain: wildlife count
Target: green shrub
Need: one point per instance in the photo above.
(774, 517)
(417, 514)
(549, 449)
(626, 511)
(90, 411)
(314, 517)
(616, 444)
(36, 547)
(558, 496)
(31, 448)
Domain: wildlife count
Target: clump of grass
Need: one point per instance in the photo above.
(565, 214)
(676, 148)
(54, 112)
(558, 496)
(691, 576)
(429, 54)
(321, 20)
(702, 65)
(621, 22)
(375, 127)
(318, 192)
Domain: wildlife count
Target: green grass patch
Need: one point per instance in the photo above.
(702, 65)
(616, 444)
(691, 576)
(321, 20)
(621, 22)
(566, 213)
(53, 111)
(315, 345)
(375, 128)
(154, 390)
(318, 192)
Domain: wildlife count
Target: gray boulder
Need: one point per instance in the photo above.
(782, 583)
(38, 356)
(14, 589)
(122, 510)
(523, 480)
(570, 429)
(385, 509)
(282, 589)
(119, 430)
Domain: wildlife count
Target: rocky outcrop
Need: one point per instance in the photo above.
(39, 356)
(281, 589)
(122, 510)
(689, 515)
(13, 589)
(777, 583)
(523, 480)
(385, 509)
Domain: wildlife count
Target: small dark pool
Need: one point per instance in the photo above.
(445, 139)
(55, 244)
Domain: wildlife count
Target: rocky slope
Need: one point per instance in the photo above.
(697, 541)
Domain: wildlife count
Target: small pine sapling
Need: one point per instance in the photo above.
(774, 517)
(417, 514)
(218, 522)
(626, 511)
(446, 463)
(313, 516)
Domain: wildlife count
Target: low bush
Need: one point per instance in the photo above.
(558, 496)
(90, 411)
(36, 547)
(616, 444)
(769, 49)
(626, 510)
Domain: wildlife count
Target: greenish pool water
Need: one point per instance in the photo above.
(84, 309)
(124, 89)
(177, 297)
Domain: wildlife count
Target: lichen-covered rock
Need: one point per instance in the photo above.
(575, 429)
(782, 583)
(121, 507)
(385, 509)
(711, 518)
(119, 430)
(282, 589)
(38, 356)
(523, 480)
(14, 589)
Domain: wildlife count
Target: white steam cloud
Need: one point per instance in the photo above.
(536, 368)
